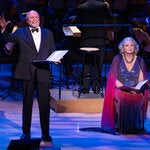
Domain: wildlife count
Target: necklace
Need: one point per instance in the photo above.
(127, 61)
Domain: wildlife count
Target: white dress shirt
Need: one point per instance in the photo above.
(37, 38)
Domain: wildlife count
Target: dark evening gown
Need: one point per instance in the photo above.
(122, 111)
(128, 106)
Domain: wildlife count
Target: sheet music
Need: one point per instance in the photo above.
(71, 31)
(56, 56)
(140, 84)
(137, 88)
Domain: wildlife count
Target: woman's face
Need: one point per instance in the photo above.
(129, 47)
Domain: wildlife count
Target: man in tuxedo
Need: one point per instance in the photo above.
(93, 13)
(34, 42)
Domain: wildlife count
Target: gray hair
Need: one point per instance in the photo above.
(136, 45)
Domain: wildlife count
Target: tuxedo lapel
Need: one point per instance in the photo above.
(29, 38)
(43, 35)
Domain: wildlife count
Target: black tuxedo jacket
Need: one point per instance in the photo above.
(93, 12)
(27, 53)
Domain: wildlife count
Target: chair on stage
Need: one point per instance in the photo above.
(92, 44)
(89, 50)
(91, 70)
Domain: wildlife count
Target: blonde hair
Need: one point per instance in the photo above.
(136, 46)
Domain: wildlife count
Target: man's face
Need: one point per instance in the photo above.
(33, 19)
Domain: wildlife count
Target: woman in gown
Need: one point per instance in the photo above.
(124, 111)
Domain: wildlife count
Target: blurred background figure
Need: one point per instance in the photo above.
(93, 12)
(13, 14)
(140, 30)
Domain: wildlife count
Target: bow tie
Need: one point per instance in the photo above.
(34, 29)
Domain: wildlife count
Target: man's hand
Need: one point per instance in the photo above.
(9, 48)
(3, 23)
(57, 62)
(107, 4)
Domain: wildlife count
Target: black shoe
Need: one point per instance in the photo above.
(46, 138)
(84, 91)
(96, 90)
(25, 137)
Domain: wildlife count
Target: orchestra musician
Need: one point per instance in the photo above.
(93, 12)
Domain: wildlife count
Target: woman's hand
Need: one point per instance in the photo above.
(133, 92)
(3, 23)
(118, 84)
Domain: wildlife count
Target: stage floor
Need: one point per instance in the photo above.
(70, 131)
